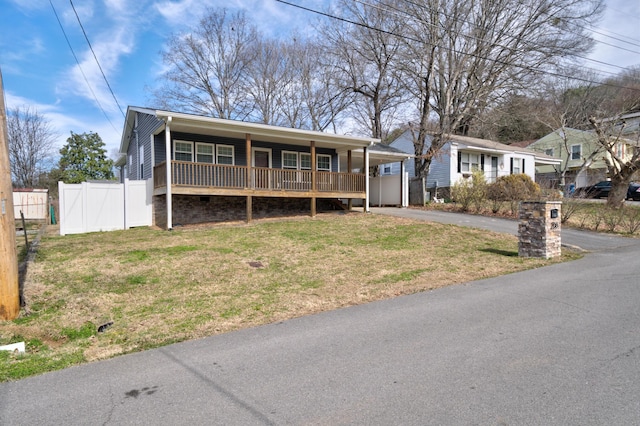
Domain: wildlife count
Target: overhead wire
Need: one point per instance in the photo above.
(406, 37)
(80, 67)
(507, 47)
(96, 59)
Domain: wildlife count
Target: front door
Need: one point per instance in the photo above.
(261, 159)
(494, 169)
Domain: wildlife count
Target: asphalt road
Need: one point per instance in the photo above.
(553, 346)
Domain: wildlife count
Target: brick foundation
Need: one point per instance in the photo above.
(192, 209)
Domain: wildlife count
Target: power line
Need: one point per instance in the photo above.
(396, 11)
(96, 58)
(80, 67)
(406, 37)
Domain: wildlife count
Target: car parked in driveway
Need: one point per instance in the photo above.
(633, 193)
(602, 189)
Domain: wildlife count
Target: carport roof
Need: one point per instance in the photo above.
(378, 154)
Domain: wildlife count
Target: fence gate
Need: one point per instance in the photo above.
(100, 206)
(417, 193)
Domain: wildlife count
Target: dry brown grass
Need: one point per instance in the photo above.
(159, 287)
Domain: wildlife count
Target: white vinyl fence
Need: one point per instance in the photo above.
(94, 207)
(385, 191)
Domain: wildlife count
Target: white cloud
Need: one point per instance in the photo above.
(112, 37)
(109, 53)
(30, 5)
(179, 13)
(85, 11)
(63, 124)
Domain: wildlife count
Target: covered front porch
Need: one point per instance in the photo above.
(264, 162)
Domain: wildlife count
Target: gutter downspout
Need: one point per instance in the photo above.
(167, 134)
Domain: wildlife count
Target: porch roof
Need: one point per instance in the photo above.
(189, 123)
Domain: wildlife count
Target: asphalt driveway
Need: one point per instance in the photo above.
(556, 346)
(585, 240)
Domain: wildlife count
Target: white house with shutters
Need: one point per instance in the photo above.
(461, 155)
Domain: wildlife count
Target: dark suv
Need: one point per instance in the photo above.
(602, 189)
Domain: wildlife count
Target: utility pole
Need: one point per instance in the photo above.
(9, 287)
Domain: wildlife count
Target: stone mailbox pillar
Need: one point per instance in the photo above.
(539, 229)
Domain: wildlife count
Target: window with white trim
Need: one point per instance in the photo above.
(469, 162)
(225, 154)
(576, 152)
(386, 169)
(289, 160)
(305, 161)
(517, 166)
(204, 153)
(323, 162)
(183, 151)
(141, 161)
(620, 150)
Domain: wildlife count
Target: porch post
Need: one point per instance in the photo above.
(313, 178)
(402, 184)
(248, 183)
(167, 134)
(366, 179)
(349, 169)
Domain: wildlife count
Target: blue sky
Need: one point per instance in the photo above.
(40, 71)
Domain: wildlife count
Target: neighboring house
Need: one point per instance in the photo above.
(207, 169)
(462, 155)
(582, 157)
(627, 124)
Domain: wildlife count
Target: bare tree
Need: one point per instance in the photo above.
(225, 68)
(312, 97)
(460, 54)
(365, 47)
(270, 71)
(207, 69)
(620, 167)
(511, 118)
(31, 146)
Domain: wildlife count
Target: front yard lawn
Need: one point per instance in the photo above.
(149, 288)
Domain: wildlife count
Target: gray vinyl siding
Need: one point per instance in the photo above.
(147, 124)
(440, 170)
(239, 148)
(405, 144)
(440, 166)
